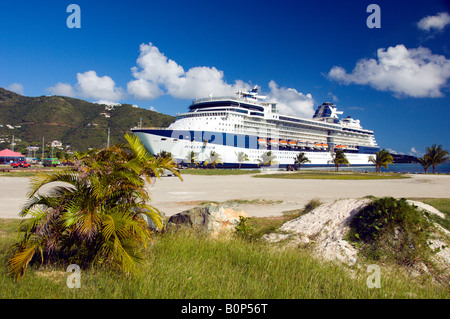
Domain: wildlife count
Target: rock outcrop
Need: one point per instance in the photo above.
(212, 219)
(326, 226)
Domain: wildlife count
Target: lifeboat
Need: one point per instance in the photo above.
(292, 143)
(283, 142)
(341, 146)
(273, 142)
(262, 141)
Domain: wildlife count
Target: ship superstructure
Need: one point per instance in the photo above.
(229, 125)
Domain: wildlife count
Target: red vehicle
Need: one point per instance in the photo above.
(20, 164)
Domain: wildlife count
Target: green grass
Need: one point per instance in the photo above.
(253, 228)
(333, 175)
(217, 171)
(18, 174)
(441, 204)
(178, 262)
(186, 265)
(25, 172)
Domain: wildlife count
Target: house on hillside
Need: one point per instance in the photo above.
(57, 144)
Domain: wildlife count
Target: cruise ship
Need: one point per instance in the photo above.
(246, 131)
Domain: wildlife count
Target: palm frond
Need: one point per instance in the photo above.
(138, 149)
(18, 263)
(44, 178)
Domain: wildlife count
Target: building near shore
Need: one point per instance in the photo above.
(7, 156)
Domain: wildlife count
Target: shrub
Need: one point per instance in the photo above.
(389, 229)
(244, 229)
(311, 205)
(95, 217)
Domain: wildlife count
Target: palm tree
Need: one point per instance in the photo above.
(267, 159)
(96, 216)
(381, 159)
(191, 158)
(165, 154)
(241, 157)
(436, 155)
(339, 158)
(301, 159)
(213, 160)
(425, 162)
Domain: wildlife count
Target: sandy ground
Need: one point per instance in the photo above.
(172, 196)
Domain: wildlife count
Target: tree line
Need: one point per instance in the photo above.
(434, 156)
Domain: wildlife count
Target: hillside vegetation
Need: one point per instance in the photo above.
(74, 122)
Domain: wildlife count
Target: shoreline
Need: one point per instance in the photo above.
(171, 196)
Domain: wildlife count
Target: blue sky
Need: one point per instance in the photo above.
(164, 54)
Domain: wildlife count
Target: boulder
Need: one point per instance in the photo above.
(213, 219)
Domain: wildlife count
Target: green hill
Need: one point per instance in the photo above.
(74, 122)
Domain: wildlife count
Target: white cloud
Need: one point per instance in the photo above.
(62, 89)
(144, 90)
(107, 102)
(437, 22)
(16, 88)
(390, 150)
(415, 152)
(156, 75)
(290, 101)
(413, 72)
(91, 86)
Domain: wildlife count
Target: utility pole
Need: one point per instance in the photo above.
(107, 143)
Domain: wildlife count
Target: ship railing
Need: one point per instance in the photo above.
(148, 128)
(220, 98)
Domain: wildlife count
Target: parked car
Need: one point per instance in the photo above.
(50, 162)
(20, 164)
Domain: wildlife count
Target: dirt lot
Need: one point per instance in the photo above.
(172, 196)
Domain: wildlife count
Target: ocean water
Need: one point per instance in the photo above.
(401, 168)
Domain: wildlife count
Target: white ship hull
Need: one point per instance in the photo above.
(180, 149)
